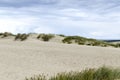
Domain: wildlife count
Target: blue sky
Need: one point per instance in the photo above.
(98, 19)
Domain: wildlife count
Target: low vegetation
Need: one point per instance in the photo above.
(74, 39)
(21, 37)
(86, 41)
(117, 45)
(67, 39)
(6, 34)
(102, 73)
(45, 37)
(61, 35)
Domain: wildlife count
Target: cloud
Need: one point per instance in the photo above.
(24, 3)
(95, 19)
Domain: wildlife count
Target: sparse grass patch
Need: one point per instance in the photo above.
(103, 73)
(21, 37)
(39, 77)
(45, 37)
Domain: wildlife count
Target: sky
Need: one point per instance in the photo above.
(99, 19)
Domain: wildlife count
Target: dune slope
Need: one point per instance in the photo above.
(32, 57)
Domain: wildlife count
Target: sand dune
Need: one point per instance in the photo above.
(33, 57)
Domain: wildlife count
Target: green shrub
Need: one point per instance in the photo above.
(6, 34)
(45, 37)
(117, 45)
(1, 34)
(21, 37)
(62, 35)
(70, 39)
(102, 73)
(81, 43)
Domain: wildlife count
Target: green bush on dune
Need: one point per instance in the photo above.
(116, 45)
(61, 35)
(1, 34)
(102, 73)
(21, 37)
(45, 37)
(74, 39)
(6, 34)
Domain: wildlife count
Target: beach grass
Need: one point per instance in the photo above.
(45, 37)
(102, 73)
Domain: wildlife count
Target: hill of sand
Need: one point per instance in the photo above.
(33, 57)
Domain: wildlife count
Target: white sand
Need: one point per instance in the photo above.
(33, 57)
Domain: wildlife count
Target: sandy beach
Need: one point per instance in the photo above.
(33, 57)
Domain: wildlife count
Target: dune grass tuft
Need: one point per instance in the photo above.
(45, 37)
(103, 73)
(6, 34)
(61, 35)
(21, 37)
(39, 77)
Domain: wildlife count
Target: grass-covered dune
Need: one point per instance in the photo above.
(87, 41)
(102, 73)
(64, 39)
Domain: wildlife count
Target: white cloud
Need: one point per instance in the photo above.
(73, 12)
(100, 19)
(15, 24)
(43, 30)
